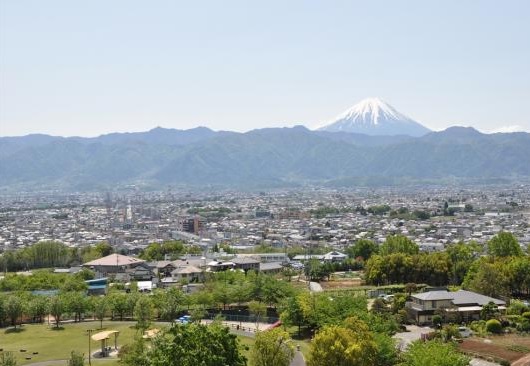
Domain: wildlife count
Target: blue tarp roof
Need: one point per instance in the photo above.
(96, 287)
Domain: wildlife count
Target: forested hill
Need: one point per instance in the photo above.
(259, 158)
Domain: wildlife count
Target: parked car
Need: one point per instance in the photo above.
(465, 332)
(185, 319)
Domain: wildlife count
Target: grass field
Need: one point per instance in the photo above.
(56, 344)
(51, 344)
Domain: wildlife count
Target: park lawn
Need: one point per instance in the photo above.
(246, 345)
(54, 344)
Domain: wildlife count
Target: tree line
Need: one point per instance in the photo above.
(50, 254)
(498, 268)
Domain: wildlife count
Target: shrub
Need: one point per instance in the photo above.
(513, 319)
(478, 327)
(524, 326)
(76, 359)
(437, 320)
(494, 326)
(526, 315)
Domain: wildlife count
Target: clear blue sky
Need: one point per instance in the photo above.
(91, 67)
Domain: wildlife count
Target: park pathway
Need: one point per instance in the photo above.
(298, 359)
(63, 362)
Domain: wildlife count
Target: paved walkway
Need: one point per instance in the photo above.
(298, 359)
(63, 362)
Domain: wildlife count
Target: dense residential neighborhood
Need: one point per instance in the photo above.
(129, 221)
(441, 268)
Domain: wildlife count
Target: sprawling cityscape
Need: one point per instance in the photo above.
(279, 183)
(334, 219)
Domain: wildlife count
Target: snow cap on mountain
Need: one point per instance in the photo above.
(373, 116)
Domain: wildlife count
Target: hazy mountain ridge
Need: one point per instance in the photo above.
(157, 135)
(273, 156)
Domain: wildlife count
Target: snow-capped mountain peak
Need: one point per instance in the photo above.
(371, 109)
(373, 116)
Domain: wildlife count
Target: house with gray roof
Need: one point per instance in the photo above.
(465, 304)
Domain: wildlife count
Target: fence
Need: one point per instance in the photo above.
(243, 318)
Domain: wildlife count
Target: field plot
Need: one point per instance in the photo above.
(509, 347)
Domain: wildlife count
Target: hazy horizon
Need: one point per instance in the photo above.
(86, 69)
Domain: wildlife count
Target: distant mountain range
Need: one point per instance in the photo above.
(273, 157)
(373, 116)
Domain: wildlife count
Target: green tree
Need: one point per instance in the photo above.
(196, 344)
(375, 270)
(223, 294)
(363, 248)
(14, 309)
(517, 307)
(103, 249)
(157, 251)
(504, 244)
(57, 309)
(197, 315)
(275, 291)
(135, 353)
(461, 258)
(398, 244)
(258, 310)
(487, 278)
(169, 303)
(387, 354)
(272, 348)
(118, 304)
(143, 312)
(489, 311)
(3, 310)
(517, 271)
(76, 359)
(73, 284)
(76, 303)
(100, 306)
(292, 313)
(38, 308)
(351, 345)
(433, 353)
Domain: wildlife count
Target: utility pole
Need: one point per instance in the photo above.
(89, 351)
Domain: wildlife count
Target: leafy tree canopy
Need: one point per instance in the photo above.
(435, 353)
(398, 244)
(504, 244)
